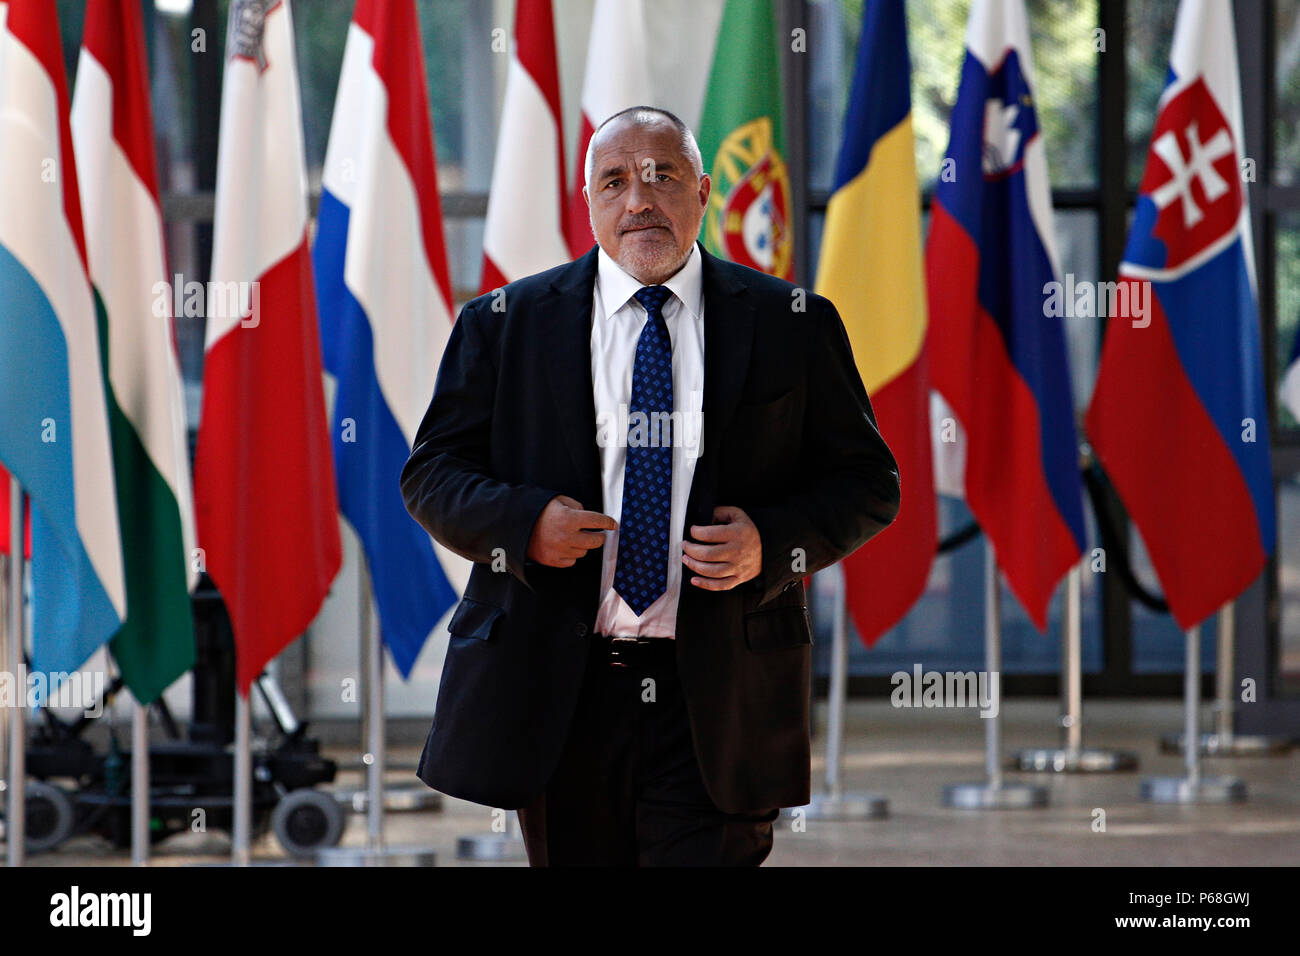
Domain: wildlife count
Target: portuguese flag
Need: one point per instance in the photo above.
(743, 142)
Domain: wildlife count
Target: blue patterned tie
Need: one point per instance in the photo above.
(641, 572)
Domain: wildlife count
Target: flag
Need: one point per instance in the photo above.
(4, 519)
(112, 133)
(385, 311)
(750, 215)
(1178, 417)
(1291, 378)
(617, 77)
(264, 478)
(870, 268)
(997, 354)
(54, 433)
(524, 229)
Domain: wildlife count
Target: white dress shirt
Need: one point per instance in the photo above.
(617, 322)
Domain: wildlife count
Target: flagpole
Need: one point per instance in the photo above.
(139, 783)
(1194, 787)
(996, 793)
(1224, 742)
(4, 669)
(1071, 756)
(242, 796)
(373, 652)
(15, 815)
(834, 803)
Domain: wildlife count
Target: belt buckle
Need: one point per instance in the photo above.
(620, 650)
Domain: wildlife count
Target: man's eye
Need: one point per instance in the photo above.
(664, 177)
(613, 182)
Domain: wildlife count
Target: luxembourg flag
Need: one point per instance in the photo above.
(54, 434)
(112, 131)
(264, 478)
(385, 311)
(1178, 417)
(524, 231)
(998, 357)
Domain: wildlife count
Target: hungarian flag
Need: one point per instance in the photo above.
(524, 231)
(54, 430)
(385, 312)
(870, 267)
(997, 354)
(112, 131)
(750, 216)
(264, 478)
(617, 77)
(1178, 417)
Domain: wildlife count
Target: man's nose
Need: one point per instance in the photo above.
(638, 197)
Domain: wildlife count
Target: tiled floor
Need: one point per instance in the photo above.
(908, 756)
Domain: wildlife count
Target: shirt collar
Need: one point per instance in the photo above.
(615, 286)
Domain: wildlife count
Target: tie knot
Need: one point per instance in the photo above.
(653, 297)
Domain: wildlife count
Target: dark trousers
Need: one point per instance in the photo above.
(627, 790)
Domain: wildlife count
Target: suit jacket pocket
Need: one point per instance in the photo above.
(776, 627)
(474, 619)
(764, 416)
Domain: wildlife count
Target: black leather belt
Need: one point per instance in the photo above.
(635, 651)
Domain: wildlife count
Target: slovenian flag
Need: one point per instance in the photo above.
(385, 311)
(524, 229)
(997, 357)
(870, 267)
(112, 131)
(264, 478)
(1178, 417)
(54, 434)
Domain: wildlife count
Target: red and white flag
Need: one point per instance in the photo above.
(524, 231)
(264, 477)
(618, 76)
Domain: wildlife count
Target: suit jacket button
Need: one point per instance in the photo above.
(580, 629)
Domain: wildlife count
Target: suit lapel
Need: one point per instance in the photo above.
(728, 338)
(567, 313)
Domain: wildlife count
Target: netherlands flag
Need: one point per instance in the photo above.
(1178, 417)
(997, 358)
(54, 434)
(385, 312)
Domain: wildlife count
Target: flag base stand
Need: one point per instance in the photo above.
(1190, 790)
(505, 847)
(994, 796)
(381, 856)
(397, 799)
(845, 806)
(1072, 760)
(1230, 745)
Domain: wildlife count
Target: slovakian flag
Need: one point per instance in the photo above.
(742, 137)
(998, 356)
(54, 432)
(112, 131)
(385, 312)
(1291, 379)
(870, 267)
(524, 231)
(1178, 417)
(264, 478)
(617, 77)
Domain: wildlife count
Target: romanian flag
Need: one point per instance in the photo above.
(870, 267)
(1178, 417)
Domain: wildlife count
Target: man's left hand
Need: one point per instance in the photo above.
(730, 552)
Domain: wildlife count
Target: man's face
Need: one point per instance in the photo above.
(646, 201)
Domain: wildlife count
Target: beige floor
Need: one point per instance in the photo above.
(908, 756)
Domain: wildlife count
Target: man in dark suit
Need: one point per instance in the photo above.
(643, 452)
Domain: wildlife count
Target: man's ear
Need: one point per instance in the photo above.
(706, 184)
(587, 196)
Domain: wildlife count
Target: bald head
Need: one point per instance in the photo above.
(645, 116)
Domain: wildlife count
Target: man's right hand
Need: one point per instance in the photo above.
(564, 533)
